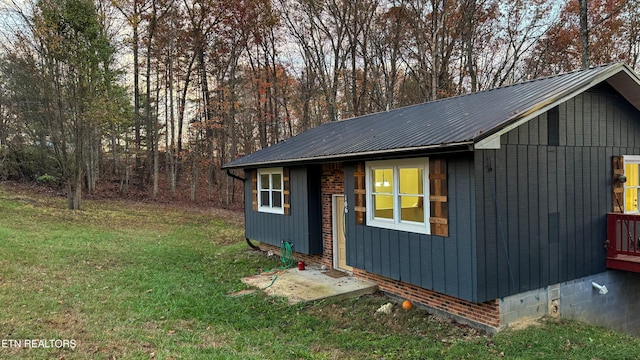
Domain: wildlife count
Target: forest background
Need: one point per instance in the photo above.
(148, 98)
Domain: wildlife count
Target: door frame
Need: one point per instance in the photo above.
(334, 225)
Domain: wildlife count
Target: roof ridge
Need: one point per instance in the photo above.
(482, 91)
(553, 76)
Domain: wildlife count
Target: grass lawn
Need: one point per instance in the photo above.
(131, 281)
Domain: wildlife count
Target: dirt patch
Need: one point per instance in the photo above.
(525, 323)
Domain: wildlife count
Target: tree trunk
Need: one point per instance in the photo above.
(469, 34)
(93, 158)
(124, 181)
(136, 93)
(584, 34)
(74, 183)
(114, 151)
(170, 131)
(208, 115)
(77, 198)
(180, 158)
(156, 137)
(150, 124)
(194, 180)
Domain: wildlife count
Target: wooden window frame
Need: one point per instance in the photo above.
(620, 189)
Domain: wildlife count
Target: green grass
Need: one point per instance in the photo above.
(134, 281)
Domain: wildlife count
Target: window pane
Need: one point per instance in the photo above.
(412, 208)
(264, 181)
(276, 196)
(631, 187)
(631, 171)
(383, 206)
(277, 181)
(411, 181)
(383, 180)
(264, 198)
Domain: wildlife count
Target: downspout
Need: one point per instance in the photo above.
(229, 173)
(251, 244)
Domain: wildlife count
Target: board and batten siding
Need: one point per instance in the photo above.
(542, 198)
(302, 226)
(443, 264)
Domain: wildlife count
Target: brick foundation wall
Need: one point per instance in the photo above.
(486, 314)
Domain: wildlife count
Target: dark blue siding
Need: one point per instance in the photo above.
(443, 264)
(302, 227)
(545, 206)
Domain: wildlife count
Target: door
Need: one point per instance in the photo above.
(339, 231)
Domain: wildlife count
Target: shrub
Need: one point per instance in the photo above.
(48, 180)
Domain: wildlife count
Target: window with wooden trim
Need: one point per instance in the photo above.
(392, 194)
(396, 193)
(626, 184)
(269, 191)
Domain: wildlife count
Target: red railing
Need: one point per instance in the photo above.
(623, 242)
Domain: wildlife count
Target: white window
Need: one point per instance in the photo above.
(270, 190)
(398, 194)
(632, 185)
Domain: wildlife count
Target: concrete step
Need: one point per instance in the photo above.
(309, 285)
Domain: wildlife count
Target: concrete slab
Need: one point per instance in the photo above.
(309, 285)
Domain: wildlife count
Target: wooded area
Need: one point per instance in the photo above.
(155, 95)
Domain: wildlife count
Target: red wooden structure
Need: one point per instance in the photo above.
(623, 242)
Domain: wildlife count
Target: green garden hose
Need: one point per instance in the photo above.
(286, 255)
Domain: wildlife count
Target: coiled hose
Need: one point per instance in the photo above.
(286, 255)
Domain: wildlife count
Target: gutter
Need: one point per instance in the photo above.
(444, 148)
(235, 176)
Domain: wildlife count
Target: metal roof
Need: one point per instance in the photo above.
(440, 125)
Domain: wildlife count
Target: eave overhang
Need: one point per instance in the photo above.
(619, 76)
(465, 146)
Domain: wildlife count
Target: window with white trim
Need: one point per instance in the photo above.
(397, 191)
(270, 190)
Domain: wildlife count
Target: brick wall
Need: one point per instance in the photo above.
(332, 183)
(486, 314)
